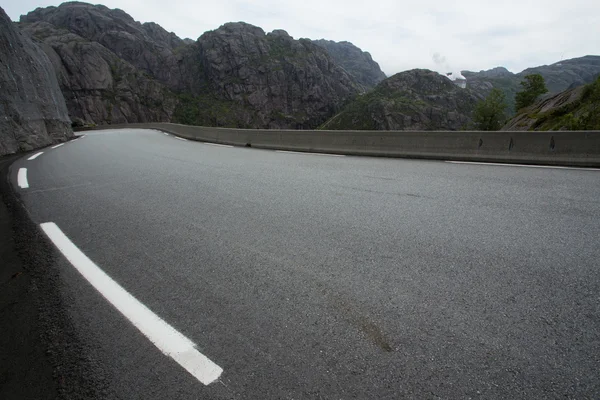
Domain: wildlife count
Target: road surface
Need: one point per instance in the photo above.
(312, 276)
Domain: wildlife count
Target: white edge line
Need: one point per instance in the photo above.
(168, 340)
(166, 134)
(36, 155)
(58, 145)
(180, 138)
(522, 165)
(306, 153)
(22, 178)
(218, 144)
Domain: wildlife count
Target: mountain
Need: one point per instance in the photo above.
(573, 109)
(32, 112)
(559, 76)
(567, 74)
(413, 100)
(110, 68)
(148, 47)
(263, 80)
(100, 87)
(359, 64)
(114, 69)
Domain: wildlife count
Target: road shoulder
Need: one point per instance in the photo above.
(41, 356)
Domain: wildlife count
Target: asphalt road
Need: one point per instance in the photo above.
(313, 276)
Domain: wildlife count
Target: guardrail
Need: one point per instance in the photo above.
(568, 148)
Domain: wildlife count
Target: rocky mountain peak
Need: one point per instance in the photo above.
(86, 20)
(496, 72)
(418, 99)
(162, 36)
(147, 46)
(275, 80)
(239, 28)
(421, 81)
(279, 33)
(359, 64)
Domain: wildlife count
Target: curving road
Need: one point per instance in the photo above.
(312, 276)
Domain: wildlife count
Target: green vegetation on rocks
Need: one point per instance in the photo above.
(413, 100)
(574, 109)
(558, 77)
(489, 114)
(208, 110)
(533, 86)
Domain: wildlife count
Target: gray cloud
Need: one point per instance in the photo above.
(400, 35)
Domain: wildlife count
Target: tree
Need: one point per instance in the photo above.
(533, 86)
(489, 113)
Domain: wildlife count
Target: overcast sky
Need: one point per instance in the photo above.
(400, 35)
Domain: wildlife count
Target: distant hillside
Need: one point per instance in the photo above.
(567, 74)
(413, 100)
(359, 64)
(573, 109)
(559, 76)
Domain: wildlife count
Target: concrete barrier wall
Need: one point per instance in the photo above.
(570, 148)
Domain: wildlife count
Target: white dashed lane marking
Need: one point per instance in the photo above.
(309, 154)
(217, 144)
(36, 155)
(22, 178)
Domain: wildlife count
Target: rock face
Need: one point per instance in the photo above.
(573, 109)
(147, 47)
(273, 80)
(559, 76)
(359, 64)
(99, 87)
(115, 69)
(32, 109)
(100, 84)
(413, 100)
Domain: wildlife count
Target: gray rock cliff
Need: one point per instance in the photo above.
(359, 64)
(99, 86)
(32, 108)
(273, 80)
(111, 69)
(148, 46)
